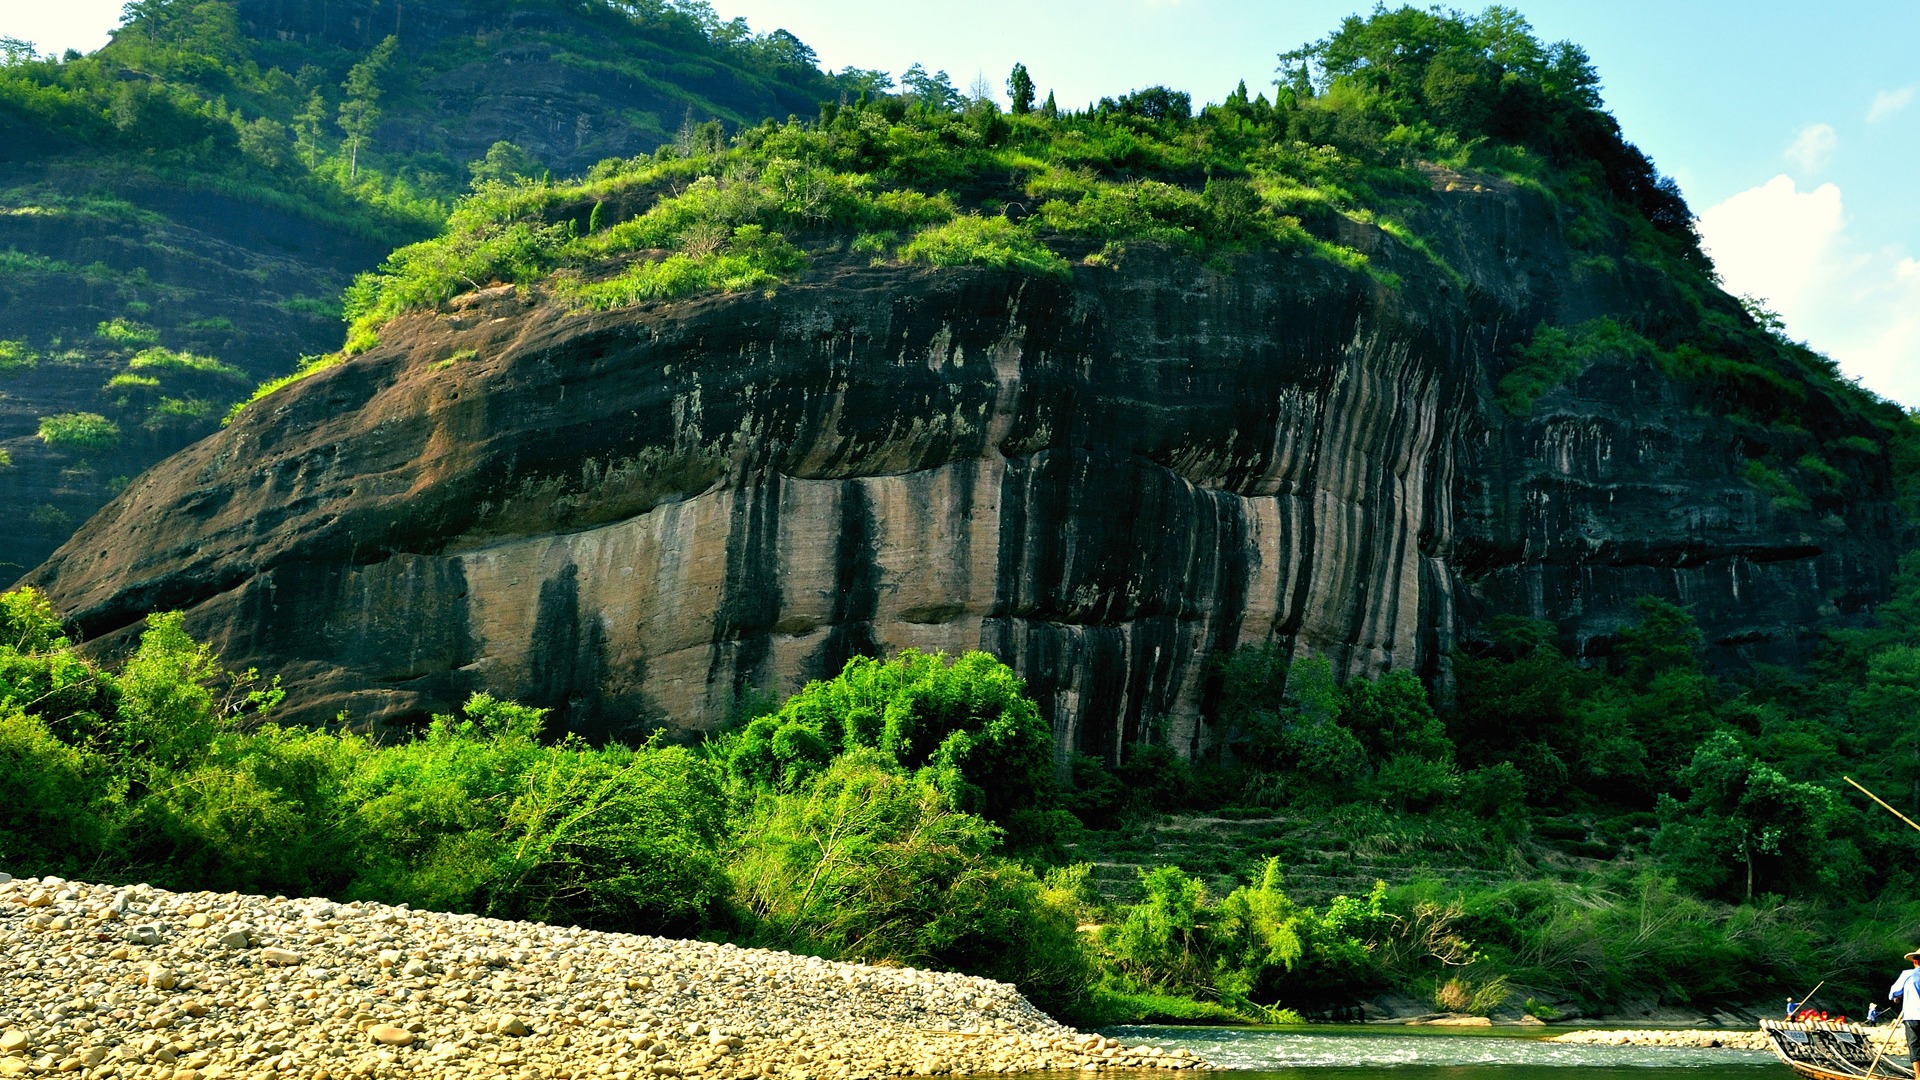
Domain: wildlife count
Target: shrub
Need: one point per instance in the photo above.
(79, 432)
(16, 357)
(750, 258)
(868, 862)
(57, 802)
(159, 359)
(965, 727)
(122, 332)
(615, 838)
(984, 241)
(309, 366)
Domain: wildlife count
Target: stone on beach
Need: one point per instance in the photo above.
(236, 987)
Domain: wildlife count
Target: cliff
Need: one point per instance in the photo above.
(635, 517)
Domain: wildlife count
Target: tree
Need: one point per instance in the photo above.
(1050, 110)
(15, 51)
(505, 162)
(934, 92)
(1020, 89)
(265, 140)
(966, 727)
(1282, 719)
(1741, 812)
(1152, 103)
(1889, 708)
(1665, 639)
(980, 91)
(308, 124)
(360, 104)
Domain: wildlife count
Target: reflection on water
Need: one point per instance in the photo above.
(1426, 1054)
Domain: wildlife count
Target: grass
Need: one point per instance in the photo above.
(995, 243)
(309, 366)
(120, 331)
(169, 360)
(1122, 1007)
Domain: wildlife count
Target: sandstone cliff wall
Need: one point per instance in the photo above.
(637, 517)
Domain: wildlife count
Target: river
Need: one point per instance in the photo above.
(1401, 1053)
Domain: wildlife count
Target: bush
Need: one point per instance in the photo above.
(122, 332)
(79, 432)
(866, 861)
(991, 242)
(159, 359)
(15, 357)
(965, 727)
(613, 838)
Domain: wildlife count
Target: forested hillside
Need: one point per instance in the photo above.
(180, 211)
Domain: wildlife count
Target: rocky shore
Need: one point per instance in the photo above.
(141, 984)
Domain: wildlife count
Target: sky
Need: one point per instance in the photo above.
(1792, 127)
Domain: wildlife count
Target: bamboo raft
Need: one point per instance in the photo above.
(1825, 1050)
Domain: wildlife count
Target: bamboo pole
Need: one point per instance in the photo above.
(1882, 802)
(1801, 1007)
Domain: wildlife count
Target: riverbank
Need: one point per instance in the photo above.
(143, 984)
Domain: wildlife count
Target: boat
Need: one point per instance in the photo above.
(1830, 1050)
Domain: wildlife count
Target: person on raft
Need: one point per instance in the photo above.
(1906, 991)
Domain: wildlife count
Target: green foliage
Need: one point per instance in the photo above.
(80, 432)
(1742, 813)
(309, 366)
(360, 99)
(613, 838)
(868, 861)
(505, 163)
(157, 359)
(964, 727)
(121, 332)
(16, 357)
(1020, 90)
(990, 242)
(1781, 492)
(1553, 355)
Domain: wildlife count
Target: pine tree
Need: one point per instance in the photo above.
(360, 108)
(1050, 111)
(307, 125)
(1020, 89)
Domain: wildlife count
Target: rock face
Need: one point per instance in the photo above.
(636, 517)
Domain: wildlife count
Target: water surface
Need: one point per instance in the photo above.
(1402, 1053)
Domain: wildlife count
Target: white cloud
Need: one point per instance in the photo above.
(1857, 303)
(1812, 148)
(1888, 102)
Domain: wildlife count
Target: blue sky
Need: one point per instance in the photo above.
(1794, 128)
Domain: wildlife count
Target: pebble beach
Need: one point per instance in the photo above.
(138, 983)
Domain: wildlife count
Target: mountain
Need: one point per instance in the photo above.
(1370, 371)
(180, 211)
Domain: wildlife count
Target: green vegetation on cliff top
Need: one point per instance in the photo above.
(1364, 126)
(928, 175)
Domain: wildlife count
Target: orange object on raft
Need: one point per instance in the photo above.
(1831, 1050)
